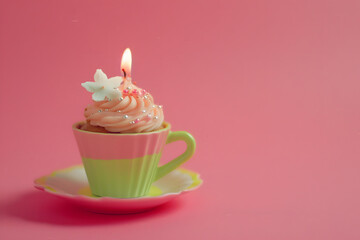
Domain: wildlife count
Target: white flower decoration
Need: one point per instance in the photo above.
(103, 88)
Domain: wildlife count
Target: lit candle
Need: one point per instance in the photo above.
(126, 63)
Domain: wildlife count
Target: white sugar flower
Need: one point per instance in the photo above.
(103, 88)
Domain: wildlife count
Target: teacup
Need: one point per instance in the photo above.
(124, 165)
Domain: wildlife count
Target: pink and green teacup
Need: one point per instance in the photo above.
(125, 165)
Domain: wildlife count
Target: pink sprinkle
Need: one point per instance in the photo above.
(137, 120)
(125, 91)
(143, 92)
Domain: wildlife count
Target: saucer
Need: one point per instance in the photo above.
(72, 184)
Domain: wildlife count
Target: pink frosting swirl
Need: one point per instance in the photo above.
(134, 113)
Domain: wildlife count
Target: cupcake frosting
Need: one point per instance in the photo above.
(125, 108)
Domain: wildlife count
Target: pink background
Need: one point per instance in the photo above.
(270, 90)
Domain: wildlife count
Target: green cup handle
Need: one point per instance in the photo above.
(190, 149)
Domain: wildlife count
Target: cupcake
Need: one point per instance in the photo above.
(123, 136)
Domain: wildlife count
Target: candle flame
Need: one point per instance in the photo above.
(126, 62)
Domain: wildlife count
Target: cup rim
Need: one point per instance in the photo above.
(166, 127)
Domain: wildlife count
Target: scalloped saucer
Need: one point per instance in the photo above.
(71, 184)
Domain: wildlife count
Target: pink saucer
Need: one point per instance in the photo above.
(71, 184)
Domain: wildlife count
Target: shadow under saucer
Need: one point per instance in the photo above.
(44, 208)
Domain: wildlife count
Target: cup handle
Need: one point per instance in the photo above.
(190, 149)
